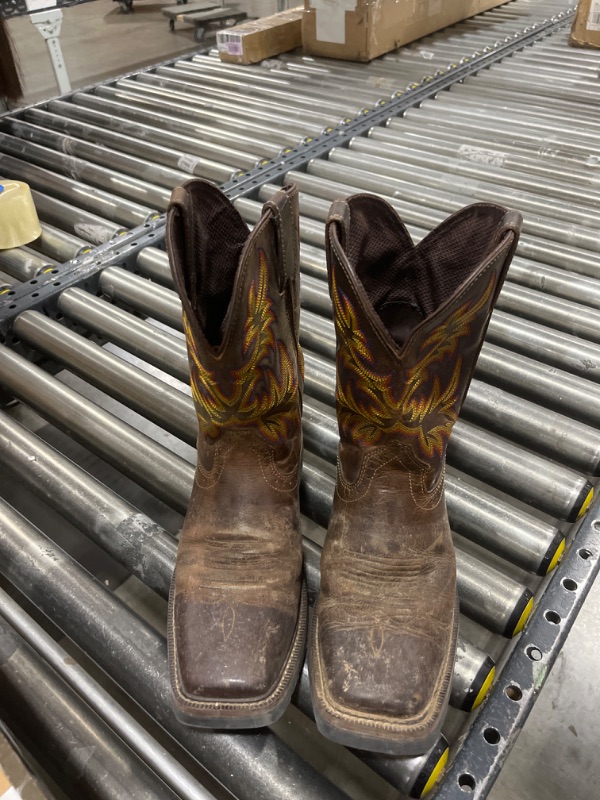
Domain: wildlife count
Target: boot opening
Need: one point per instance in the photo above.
(209, 234)
(404, 283)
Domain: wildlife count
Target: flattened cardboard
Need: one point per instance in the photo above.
(360, 30)
(263, 38)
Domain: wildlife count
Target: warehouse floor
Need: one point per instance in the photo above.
(98, 41)
(557, 755)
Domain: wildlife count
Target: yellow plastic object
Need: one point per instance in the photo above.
(19, 223)
(484, 689)
(556, 557)
(524, 617)
(586, 504)
(436, 772)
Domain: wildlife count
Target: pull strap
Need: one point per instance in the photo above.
(338, 222)
(510, 230)
(284, 207)
(177, 244)
(179, 197)
(511, 221)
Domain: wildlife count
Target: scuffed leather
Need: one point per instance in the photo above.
(386, 618)
(236, 594)
(239, 562)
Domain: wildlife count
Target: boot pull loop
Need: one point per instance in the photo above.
(512, 222)
(338, 222)
(284, 207)
(178, 197)
(176, 218)
(180, 246)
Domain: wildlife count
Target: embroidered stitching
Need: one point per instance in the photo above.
(369, 406)
(264, 391)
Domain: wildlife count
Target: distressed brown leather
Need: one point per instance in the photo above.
(237, 611)
(410, 322)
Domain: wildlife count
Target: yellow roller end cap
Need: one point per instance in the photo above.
(524, 617)
(586, 504)
(484, 689)
(556, 557)
(436, 772)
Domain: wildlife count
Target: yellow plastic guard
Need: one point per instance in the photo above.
(586, 504)
(556, 557)
(20, 223)
(524, 617)
(436, 772)
(484, 689)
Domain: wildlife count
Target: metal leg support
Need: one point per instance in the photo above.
(49, 24)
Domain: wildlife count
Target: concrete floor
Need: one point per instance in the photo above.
(98, 42)
(557, 755)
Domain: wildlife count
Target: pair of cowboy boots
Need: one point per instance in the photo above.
(410, 322)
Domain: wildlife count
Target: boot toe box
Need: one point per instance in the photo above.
(229, 652)
(384, 673)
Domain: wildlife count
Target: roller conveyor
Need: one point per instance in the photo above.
(32, 691)
(105, 364)
(115, 151)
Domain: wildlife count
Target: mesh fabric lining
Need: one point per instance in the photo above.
(214, 235)
(404, 283)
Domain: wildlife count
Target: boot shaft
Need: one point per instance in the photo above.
(409, 320)
(239, 292)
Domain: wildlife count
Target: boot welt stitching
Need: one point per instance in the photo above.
(438, 489)
(352, 487)
(282, 477)
(366, 462)
(216, 472)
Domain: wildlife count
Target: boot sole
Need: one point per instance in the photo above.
(394, 737)
(231, 715)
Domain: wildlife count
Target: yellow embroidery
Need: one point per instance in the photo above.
(371, 404)
(264, 390)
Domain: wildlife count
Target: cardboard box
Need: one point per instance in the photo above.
(262, 38)
(586, 26)
(360, 30)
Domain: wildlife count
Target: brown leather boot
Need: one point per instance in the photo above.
(410, 323)
(238, 611)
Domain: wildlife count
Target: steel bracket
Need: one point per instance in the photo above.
(42, 291)
(503, 714)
